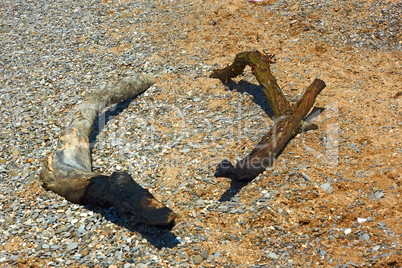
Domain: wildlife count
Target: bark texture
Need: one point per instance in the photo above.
(68, 170)
(288, 118)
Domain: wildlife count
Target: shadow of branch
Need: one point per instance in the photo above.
(103, 118)
(255, 91)
(158, 237)
(235, 187)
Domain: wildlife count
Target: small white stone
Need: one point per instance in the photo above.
(360, 220)
(348, 231)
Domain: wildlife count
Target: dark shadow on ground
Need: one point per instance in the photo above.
(235, 187)
(159, 237)
(255, 91)
(105, 117)
(259, 99)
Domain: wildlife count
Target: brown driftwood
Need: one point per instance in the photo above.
(67, 171)
(289, 119)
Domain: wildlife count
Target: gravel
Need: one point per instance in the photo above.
(171, 138)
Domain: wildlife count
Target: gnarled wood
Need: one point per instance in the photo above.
(68, 171)
(288, 118)
(260, 66)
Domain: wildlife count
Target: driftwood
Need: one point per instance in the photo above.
(67, 171)
(289, 119)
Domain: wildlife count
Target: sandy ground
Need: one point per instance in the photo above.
(362, 122)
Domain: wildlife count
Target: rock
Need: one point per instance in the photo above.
(366, 237)
(197, 259)
(185, 150)
(204, 254)
(327, 187)
(379, 194)
(360, 220)
(376, 248)
(217, 254)
(84, 252)
(267, 196)
(81, 229)
(273, 256)
(353, 264)
(306, 178)
(351, 237)
(200, 202)
(72, 246)
(380, 225)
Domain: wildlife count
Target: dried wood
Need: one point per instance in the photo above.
(68, 170)
(289, 119)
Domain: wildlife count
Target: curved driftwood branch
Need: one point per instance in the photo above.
(260, 66)
(67, 171)
(288, 118)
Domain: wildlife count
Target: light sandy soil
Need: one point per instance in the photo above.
(362, 117)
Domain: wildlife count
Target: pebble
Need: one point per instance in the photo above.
(366, 237)
(198, 259)
(353, 264)
(351, 237)
(381, 225)
(376, 248)
(361, 220)
(327, 187)
(204, 254)
(72, 246)
(217, 254)
(307, 178)
(81, 229)
(272, 255)
(84, 252)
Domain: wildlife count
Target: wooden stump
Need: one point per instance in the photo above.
(68, 170)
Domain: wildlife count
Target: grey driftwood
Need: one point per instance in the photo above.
(68, 172)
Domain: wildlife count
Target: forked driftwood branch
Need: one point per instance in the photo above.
(289, 119)
(67, 171)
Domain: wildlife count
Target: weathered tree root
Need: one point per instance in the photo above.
(288, 118)
(68, 171)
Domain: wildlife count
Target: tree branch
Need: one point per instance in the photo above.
(288, 119)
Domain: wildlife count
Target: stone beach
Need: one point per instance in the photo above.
(331, 199)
